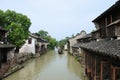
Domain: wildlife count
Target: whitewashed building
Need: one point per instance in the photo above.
(34, 45)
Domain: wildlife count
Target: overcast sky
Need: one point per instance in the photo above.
(60, 18)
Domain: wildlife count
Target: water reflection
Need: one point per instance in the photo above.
(75, 67)
(51, 66)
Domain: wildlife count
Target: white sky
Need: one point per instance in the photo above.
(60, 18)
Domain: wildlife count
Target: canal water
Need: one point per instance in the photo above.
(50, 66)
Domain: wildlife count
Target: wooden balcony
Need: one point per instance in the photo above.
(113, 29)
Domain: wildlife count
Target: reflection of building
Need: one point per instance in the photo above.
(75, 67)
(34, 44)
(73, 41)
(6, 52)
(102, 57)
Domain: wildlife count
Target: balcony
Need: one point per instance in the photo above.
(113, 29)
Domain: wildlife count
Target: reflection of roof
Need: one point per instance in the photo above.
(1, 28)
(7, 46)
(110, 48)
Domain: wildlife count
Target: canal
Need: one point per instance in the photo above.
(50, 66)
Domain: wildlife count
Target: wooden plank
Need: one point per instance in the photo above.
(95, 69)
(101, 70)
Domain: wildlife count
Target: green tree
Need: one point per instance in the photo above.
(2, 16)
(18, 26)
(43, 33)
(52, 41)
(16, 35)
(62, 43)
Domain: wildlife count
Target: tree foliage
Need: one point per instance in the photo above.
(16, 34)
(43, 33)
(62, 42)
(17, 24)
(52, 41)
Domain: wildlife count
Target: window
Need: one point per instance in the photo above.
(29, 40)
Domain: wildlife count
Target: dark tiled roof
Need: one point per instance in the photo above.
(1, 28)
(37, 36)
(7, 46)
(33, 35)
(110, 48)
(88, 35)
(77, 45)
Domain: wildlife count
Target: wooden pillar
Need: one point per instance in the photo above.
(101, 70)
(106, 21)
(106, 26)
(95, 69)
(113, 73)
(105, 70)
(110, 18)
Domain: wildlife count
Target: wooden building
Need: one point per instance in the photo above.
(108, 23)
(102, 56)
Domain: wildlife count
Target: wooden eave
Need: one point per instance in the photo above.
(7, 46)
(107, 11)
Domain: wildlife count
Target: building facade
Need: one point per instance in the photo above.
(34, 45)
(73, 41)
(102, 56)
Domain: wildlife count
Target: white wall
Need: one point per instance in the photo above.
(28, 48)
